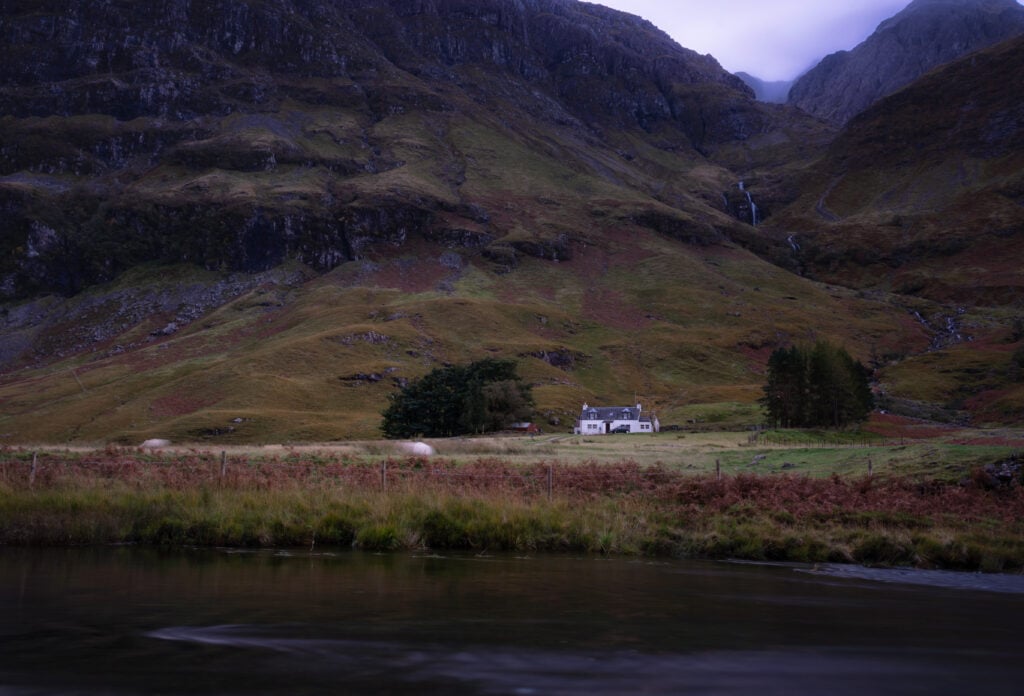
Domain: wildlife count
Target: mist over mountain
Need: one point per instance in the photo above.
(774, 92)
(926, 34)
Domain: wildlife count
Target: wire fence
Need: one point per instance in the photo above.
(391, 474)
(181, 470)
(494, 479)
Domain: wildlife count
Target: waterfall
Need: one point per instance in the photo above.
(792, 242)
(750, 202)
(947, 336)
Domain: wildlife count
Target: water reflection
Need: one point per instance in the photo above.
(136, 621)
(505, 671)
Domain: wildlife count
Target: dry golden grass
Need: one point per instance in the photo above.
(687, 334)
(308, 497)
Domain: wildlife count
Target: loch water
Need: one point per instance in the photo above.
(127, 620)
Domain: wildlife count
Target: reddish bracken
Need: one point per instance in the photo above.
(800, 496)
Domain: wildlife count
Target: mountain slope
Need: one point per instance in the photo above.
(299, 357)
(923, 194)
(251, 221)
(926, 34)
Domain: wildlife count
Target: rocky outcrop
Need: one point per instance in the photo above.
(562, 358)
(678, 227)
(1007, 473)
(925, 35)
(48, 328)
(558, 248)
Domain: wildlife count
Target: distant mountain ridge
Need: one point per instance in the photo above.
(923, 36)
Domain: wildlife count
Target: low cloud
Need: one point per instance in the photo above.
(771, 39)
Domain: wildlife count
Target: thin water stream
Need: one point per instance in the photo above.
(136, 621)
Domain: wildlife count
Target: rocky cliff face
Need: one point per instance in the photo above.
(236, 134)
(926, 34)
(194, 59)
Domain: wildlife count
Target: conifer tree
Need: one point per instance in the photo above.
(820, 386)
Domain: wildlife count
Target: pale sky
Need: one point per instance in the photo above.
(770, 39)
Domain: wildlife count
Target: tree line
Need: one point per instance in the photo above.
(820, 386)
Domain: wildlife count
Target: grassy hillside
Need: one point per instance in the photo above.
(630, 314)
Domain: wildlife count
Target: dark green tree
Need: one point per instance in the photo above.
(785, 394)
(505, 402)
(821, 386)
(483, 396)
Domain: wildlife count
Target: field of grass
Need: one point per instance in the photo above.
(890, 445)
(711, 495)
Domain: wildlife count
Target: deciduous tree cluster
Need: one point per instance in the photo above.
(483, 396)
(817, 387)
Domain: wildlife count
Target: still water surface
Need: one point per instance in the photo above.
(135, 621)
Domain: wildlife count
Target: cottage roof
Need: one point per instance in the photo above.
(610, 413)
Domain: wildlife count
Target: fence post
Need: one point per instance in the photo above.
(551, 477)
(870, 468)
(223, 464)
(718, 470)
(32, 474)
(384, 476)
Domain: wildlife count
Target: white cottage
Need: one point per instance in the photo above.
(605, 420)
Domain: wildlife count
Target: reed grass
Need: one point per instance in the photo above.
(488, 504)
